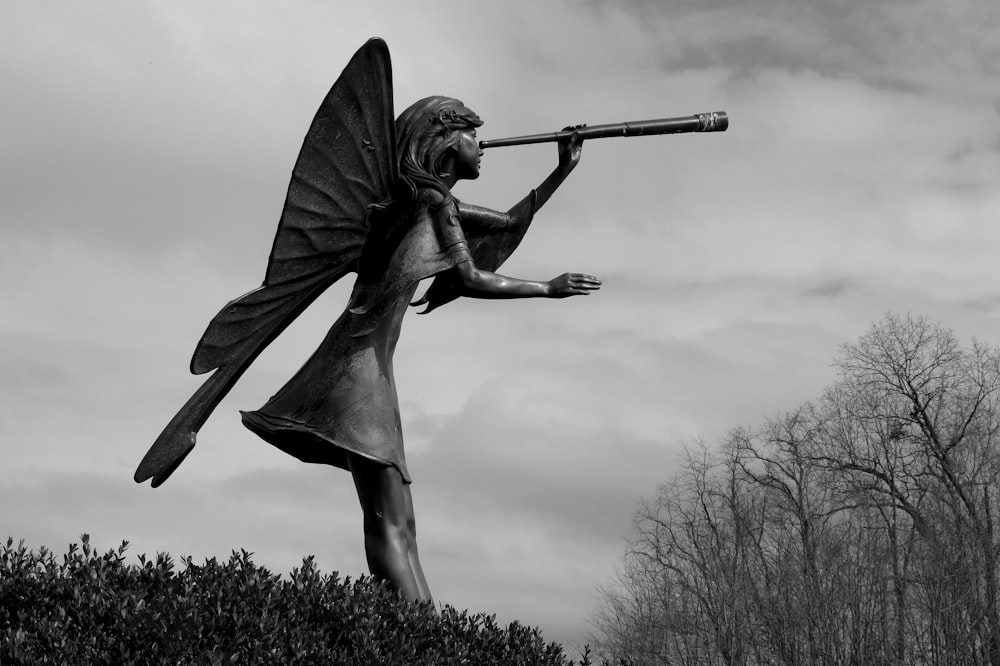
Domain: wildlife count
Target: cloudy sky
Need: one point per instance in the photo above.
(145, 149)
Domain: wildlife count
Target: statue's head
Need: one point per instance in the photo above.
(428, 134)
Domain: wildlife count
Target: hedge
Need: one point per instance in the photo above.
(91, 608)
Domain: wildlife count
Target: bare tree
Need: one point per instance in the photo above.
(858, 529)
(921, 432)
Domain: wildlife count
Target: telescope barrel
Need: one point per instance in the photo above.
(716, 121)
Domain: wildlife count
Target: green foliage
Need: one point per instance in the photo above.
(92, 608)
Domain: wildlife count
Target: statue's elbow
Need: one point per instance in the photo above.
(469, 279)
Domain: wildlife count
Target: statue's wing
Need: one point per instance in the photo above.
(347, 162)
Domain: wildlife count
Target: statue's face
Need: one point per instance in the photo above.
(467, 156)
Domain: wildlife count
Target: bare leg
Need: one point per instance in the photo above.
(388, 523)
(414, 558)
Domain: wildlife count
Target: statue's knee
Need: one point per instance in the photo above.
(392, 533)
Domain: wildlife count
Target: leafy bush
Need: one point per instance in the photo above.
(93, 608)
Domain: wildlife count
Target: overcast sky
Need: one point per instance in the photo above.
(145, 149)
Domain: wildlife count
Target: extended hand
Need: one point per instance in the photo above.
(572, 284)
(570, 149)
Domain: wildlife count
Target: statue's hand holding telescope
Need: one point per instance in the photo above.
(570, 142)
(570, 148)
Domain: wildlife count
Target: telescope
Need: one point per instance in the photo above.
(716, 121)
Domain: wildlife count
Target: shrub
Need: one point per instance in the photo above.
(92, 608)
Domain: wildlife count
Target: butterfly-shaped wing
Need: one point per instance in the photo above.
(347, 162)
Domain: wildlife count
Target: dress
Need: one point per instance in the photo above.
(344, 398)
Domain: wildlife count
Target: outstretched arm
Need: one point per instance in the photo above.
(570, 151)
(495, 236)
(475, 283)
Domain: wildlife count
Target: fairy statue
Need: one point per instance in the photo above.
(373, 197)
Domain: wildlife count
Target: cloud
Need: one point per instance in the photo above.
(146, 152)
(252, 511)
(912, 46)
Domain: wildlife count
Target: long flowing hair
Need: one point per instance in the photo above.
(424, 134)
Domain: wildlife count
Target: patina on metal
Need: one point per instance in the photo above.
(372, 196)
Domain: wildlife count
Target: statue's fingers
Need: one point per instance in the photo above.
(589, 280)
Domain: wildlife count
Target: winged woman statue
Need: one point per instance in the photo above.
(370, 196)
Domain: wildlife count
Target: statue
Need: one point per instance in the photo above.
(371, 196)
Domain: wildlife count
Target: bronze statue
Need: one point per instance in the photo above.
(371, 196)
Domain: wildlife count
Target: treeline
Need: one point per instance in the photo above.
(860, 528)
